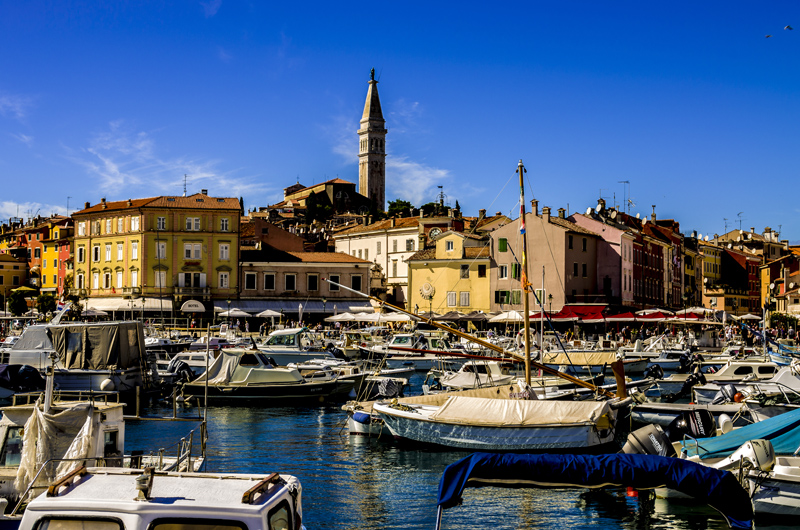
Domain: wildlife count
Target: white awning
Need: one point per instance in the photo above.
(291, 306)
(116, 303)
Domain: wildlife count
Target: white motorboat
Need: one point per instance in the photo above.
(476, 374)
(750, 378)
(293, 345)
(135, 499)
(424, 351)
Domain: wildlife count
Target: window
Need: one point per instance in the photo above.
(334, 278)
(291, 282)
(193, 224)
(95, 228)
(448, 246)
(161, 250)
(134, 250)
(409, 245)
(192, 251)
(313, 282)
(44, 263)
(119, 251)
(269, 281)
(463, 299)
(452, 298)
(161, 279)
(502, 272)
(223, 224)
(583, 270)
(359, 253)
(107, 280)
(108, 252)
(134, 278)
(224, 251)
(108, 226)
(516, 296)
(37, 253)
(119, 279)
(135, 223)
(516, 271)
(481, 271)
(15, 280)
(569, 242)
(161, 223)
(378, 251)
(501, 297)
(366, 254)
(82, 228)
(465, 271)
(44, 279)
(223, 280)
(119, 224)
(575, 269)
(394, 268)
(583, 245)
(502, 244)
(96, 280)
(96, 253)
(355, 282)
(394, 245)
(250, 281)
(55, 279)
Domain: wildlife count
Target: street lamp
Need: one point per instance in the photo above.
(229, 312)
(550, 301)
(324, 301)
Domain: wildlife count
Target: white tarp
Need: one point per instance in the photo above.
(581, 358)
(65, 435)
(512, 412)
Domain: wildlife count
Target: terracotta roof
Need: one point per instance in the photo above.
(195, 201)
(469, 253)
(327, 257)
(569, 225)
(428, 253)
(386, 224)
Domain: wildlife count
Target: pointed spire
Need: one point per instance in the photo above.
(372, 106)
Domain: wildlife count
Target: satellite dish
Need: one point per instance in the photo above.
(730, 245)
(427, 290)
(598, 209)
(705, 280)
(705, 238)
(613, 214)
(792, 285)
(738, 239)
(699, 236)
(771, 286)
(644, 221)
(637, 215)
(589, 211)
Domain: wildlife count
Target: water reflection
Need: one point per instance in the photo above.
(351, 482)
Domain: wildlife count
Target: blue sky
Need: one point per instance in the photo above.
(688, 101)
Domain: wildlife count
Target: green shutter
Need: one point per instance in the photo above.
(503, 244)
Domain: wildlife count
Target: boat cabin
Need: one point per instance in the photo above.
(127, 499)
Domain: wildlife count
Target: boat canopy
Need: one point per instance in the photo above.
(506, 412)
(580, 358)
(782, 430)
(719, 489)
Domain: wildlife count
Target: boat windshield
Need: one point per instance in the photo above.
(73, 523)
(12, 447)
(401, 339)
(282, 340)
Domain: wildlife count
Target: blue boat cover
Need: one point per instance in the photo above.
(719, 489)
(782, 430)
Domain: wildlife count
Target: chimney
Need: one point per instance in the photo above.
(130, 203)
(393, 221)
(204, 192)
(481, 213)
(561, 213)
(449, 212)
(86, 205)
(421, 213)
(752, 229)
(546, 214)
(103, 203)
(653, 215)
(498, 214)
(534, 207)
(602, 204)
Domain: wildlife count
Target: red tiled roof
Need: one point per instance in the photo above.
(386, 224)
(196, 201)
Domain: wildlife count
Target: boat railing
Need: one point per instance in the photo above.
(89, 396)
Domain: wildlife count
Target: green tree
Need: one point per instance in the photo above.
(431, 208)
(458, 206)
(46, 303)
(17, 304)
(399, 208)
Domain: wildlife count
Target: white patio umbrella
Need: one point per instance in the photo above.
(654, 310)
(341, 317)
(89, 312)
(234, 312)
(267, 313)
(508, 316)
(749, 316)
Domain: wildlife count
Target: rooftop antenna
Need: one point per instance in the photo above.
(725, 219)
(185, 178)
(68, 198)
(626, 195)
(739, 215)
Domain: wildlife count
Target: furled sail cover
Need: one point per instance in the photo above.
(717, 488)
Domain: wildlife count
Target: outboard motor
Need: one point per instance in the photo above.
(336, 352)
(727, 394)
(696, 378)
(755, 454)
(685, 363)
(654, 371)
(181, 370)
(649, 440)
(695, 423)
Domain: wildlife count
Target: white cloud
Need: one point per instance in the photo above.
(413, 181)
(24, 138)
(9, 209)
(127, 165)
(211, 7)
(14, 106)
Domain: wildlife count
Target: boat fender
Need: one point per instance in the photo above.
(107, 385)
(362, 417)
(725, 423)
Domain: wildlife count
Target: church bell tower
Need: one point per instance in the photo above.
(372, 148)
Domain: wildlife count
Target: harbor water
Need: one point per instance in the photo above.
(351, 482)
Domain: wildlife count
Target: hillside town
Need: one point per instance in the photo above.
(147, 257)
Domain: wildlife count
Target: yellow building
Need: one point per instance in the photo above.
(53, 255)
(452, 276)
(156, 253)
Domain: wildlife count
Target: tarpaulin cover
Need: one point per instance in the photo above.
(717, 488)
(97, 347)
(580, 358)
(507, 412)
(67, 435)
(782, 430)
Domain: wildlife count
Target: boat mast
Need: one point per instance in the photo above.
(524, 276)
